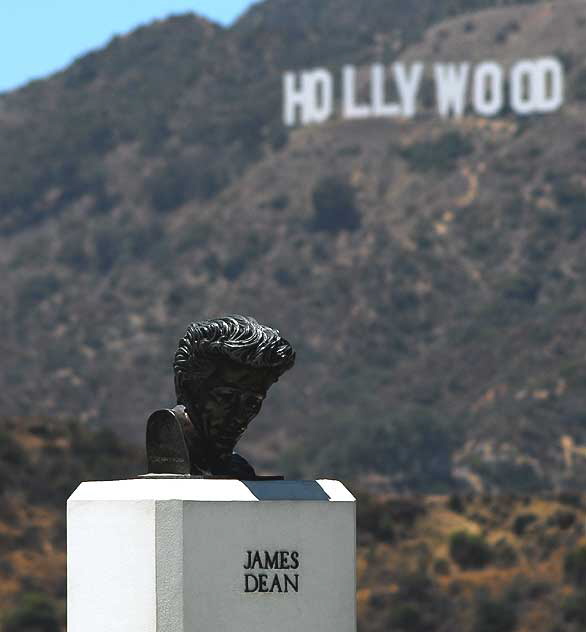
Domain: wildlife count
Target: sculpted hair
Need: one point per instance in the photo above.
(240, 339)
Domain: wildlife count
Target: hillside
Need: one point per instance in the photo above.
(465, 562)
(482, 564)
(436, 312)
(41, 463)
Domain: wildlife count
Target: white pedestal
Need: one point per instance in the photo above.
(171, 555)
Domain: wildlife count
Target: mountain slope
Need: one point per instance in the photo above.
(434, 563)
(436, 312)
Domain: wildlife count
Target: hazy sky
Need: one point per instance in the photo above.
(38, 37)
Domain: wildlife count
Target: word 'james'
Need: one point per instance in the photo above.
(272, 561)
(529, 86)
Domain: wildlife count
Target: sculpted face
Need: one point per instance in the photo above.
(232, 398)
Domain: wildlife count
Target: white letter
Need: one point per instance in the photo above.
(524, 78)
(550, 95)
(451, 84)
(294, 98)
(306, 97)
(377, 93)
(408, 86)
(351, 109)
(488, 89)
(321, 110)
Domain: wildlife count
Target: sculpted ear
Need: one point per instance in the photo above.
(181, 382)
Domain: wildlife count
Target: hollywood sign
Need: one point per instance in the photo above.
(529, 86)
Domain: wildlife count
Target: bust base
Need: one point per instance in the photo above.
(181, 553)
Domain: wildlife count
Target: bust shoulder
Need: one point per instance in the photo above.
(167, 451)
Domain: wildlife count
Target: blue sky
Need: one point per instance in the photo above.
(38, 37)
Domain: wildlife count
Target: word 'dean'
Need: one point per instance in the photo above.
(527, 87)
(280, 579)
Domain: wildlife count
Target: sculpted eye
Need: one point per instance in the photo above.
(252, 402)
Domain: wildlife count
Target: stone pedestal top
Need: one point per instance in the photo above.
(219, 490)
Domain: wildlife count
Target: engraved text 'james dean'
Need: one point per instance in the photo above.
(271, 582)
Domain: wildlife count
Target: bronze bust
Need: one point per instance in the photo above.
(223, 370)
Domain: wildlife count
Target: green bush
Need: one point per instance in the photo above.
(441, 566)
(503, 33)
(495, 616)
(470, 551)
(182, 180)
(11, 453)
(334, 204)
(575, 566)
(169, 187)
(522, 521)
(34, 613)
(574, 609)
(456, 504)
(440, 155)
(279, 202)
(407, 616)
(522, 288)
(373, 519)
(521, 477)
(504, 554)
(36, 289)
(571, 199)
(570, 499)
(418, 605)
(562, 519)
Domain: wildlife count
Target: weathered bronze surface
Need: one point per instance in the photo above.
(223, 370)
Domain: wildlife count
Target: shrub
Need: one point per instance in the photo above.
(575, 566)
(570, 498)
(469, 551)
(440, 155)
(279, 202)
(179, 181)
(169, 188)
(574, 609)
(234, 267)
(278, 137)
(522, 288)
(504, 554)
(11, 452)
(72, 253)
(34, 613)
(456, 504)
(36, 289)
(407, 616)
(441, 566)
(523, 588)
(417, 606)
(503, 33)
(334, 204)
(495, 616)
(405, 511)
(562, 519)
(522, 521)
(372, 518)
(284, 276)
(108, 248)
(520, 477)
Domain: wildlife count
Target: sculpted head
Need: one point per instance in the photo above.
(223, 370)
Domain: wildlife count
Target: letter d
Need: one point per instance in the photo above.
(247, 587)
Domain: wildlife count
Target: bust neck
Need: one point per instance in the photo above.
(202, 451)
